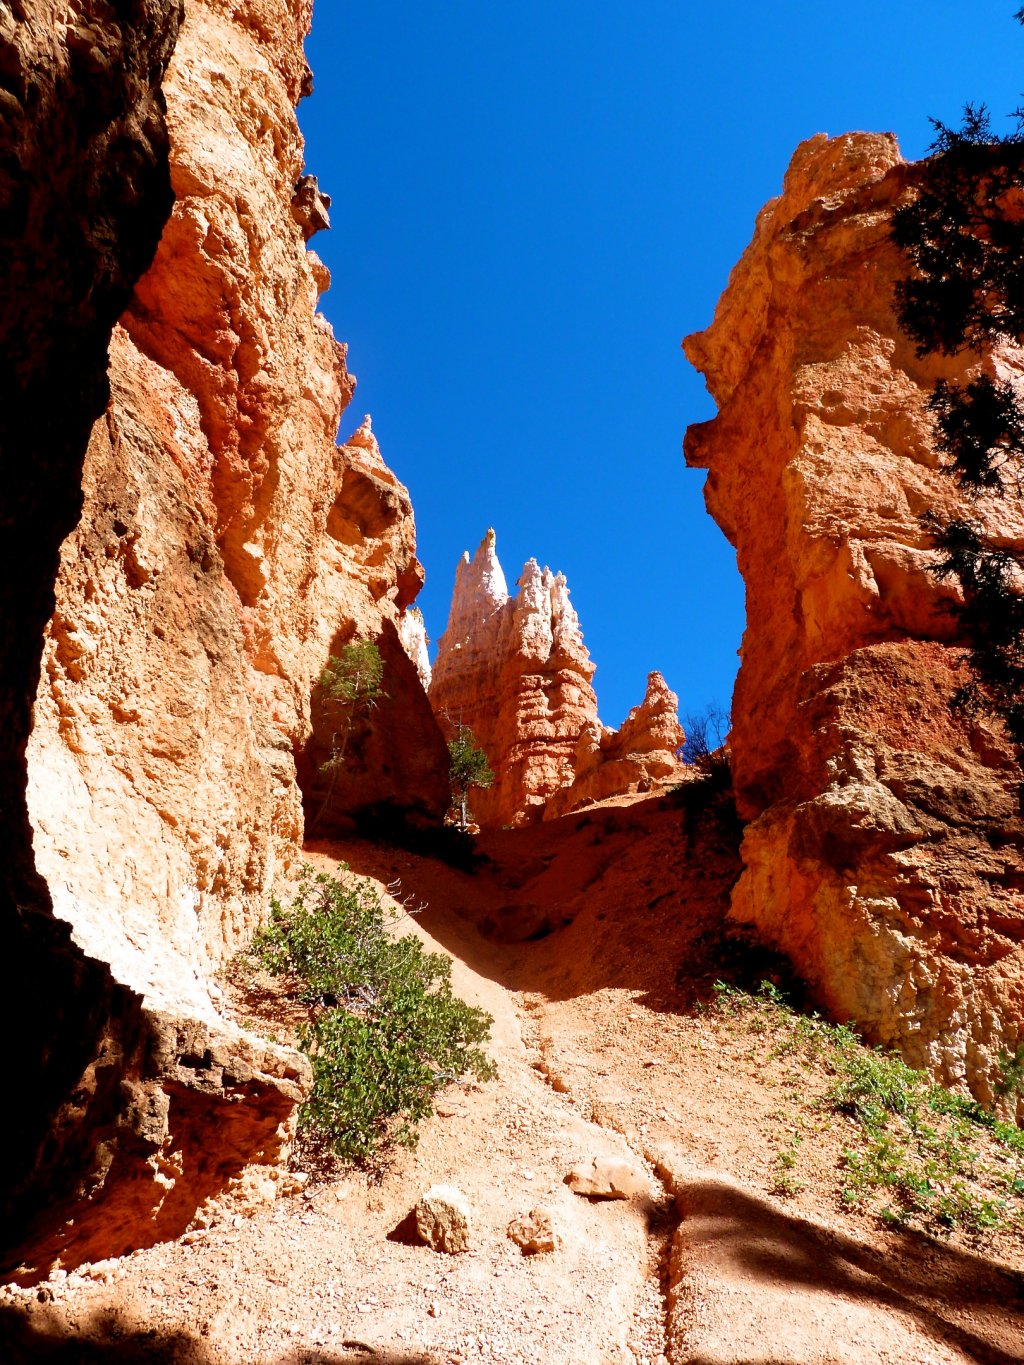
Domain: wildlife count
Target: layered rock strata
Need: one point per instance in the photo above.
(885, 852)
(227, 547)
(515, 670)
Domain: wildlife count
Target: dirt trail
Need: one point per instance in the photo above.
(599, 1053)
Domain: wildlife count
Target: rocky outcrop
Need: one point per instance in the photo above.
(85, 191)
(885, 854)
(515, 670)
(226, 549)
(644, 750)
(413, 631)
(395, 755)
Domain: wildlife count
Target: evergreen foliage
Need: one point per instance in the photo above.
(349, 689)
(964, 238)
(386, 1033)
(467, 768)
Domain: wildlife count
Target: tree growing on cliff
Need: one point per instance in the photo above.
(706, 735)
(964, 237)
(349, 689)
(467, 768)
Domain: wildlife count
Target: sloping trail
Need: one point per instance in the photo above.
(599, 1053)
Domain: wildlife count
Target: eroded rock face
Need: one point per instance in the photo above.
(612, 762)
(395, 755)
(85, 191)
(885, 851)
(226, 548)
(515, 670)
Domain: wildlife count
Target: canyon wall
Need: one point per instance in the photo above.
(515, 670)
(226, 548)
(85, 191)
(885, 851)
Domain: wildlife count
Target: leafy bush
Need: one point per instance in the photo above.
(386, 1032)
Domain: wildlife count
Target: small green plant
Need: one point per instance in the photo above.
(1011, 1073)
(386, 1034)
(467, 768)
(349, 689)
(786, 1183)
(919, 1154)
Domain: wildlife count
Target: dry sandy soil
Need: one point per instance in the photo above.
(592, 941)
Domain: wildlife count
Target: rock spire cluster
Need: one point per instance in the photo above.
(515, 670)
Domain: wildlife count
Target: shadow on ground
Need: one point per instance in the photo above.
(633, 897)
(753, 1250)
(39, 1335)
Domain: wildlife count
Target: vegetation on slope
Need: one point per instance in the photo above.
(385, 1033)
(918, 1154)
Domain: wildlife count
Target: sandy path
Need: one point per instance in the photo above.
(598, 1053)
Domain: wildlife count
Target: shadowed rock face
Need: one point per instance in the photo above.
(885, 851)
(225, 546)
(515, 670)
(85, 191)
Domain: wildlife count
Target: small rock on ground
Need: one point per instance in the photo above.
(534, 1232)
(606, 1177)
(442, 1219)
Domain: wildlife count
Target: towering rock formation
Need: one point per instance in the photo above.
(226, 548)
(517, 673)
(885, 853)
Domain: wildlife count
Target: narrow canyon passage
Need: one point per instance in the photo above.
(614, 933)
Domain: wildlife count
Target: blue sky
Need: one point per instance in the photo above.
(532, 204)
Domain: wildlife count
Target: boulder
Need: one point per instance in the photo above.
(607, 1177)
(443, 1219)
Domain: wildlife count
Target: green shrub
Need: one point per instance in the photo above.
(386, 1032)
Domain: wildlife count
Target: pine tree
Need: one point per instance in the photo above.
(964, 237)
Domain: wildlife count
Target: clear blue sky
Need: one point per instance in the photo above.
(533, 203)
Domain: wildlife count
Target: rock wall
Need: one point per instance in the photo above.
(85, 192)
(226, 547)
(515, 670)
(885, 853)
(395, 756)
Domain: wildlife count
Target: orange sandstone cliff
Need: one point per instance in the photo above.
(515, 670)
(226, 547)
(885, 852)
(85, 190)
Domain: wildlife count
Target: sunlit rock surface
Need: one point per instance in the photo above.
(884, 852)
(515, 670)
(227, 547)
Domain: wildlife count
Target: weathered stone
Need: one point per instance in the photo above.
(515, 670)
(443, 1219)
(227, 547)
(534, 1232)
(85, 190)
(414, 642)
(642, 751)
(606, 1177)
(885, 854)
